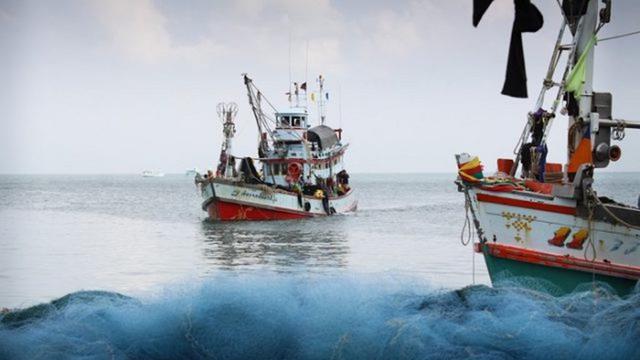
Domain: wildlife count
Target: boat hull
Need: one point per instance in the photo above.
(229, 201)
(552, 277)
(528, 235)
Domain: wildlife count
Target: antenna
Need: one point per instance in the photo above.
(321, 99)
(289, 64)
(340, 105)
(306, 75)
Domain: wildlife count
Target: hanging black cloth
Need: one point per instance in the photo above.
(527, 19)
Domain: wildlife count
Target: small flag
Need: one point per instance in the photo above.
(303, 86)
(313, 97)
(575, 79)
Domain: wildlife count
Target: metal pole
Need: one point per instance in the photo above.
(589, 22)
(618, 122)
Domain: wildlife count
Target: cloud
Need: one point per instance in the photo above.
(391, 33)
(4, 15)
(142, 31)
(139, 30)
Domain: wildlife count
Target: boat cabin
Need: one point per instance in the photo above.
(292, 120)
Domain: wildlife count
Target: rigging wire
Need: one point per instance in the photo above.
(619, 36)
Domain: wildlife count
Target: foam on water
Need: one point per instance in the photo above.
(323, 317)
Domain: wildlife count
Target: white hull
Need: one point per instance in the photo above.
(531, 228)
(226, 200)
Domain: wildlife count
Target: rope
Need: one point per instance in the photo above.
(467, 222)
(473, 259)
(592, 202)
(470, 234)
(572, 136)
(619, 36)
(591, 206)
(609, 212)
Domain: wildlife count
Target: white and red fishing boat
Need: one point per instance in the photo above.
(302, 171)
(549, 223)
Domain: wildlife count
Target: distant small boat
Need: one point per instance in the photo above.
(149, 173)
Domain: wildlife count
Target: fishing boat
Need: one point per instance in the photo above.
(548, 224)
(302, 172)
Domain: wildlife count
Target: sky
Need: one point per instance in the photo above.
(123, 86)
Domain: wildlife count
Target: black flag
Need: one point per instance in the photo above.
(527, 19)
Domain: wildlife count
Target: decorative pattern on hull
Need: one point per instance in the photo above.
(540, 237)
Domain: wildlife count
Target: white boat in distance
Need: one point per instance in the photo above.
(150, 173)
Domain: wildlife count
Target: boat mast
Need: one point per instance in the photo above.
(227, 113)
(255, 103)
(321, 99)
(579, 123)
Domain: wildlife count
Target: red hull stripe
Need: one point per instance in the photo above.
(566, 262)
(222, 210)
(527, 204)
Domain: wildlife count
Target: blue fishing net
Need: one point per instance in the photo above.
(326, 317)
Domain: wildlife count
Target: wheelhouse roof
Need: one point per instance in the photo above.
(324, 135)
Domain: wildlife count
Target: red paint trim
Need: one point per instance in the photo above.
(559, 261)
(223, 210)
(560, 209)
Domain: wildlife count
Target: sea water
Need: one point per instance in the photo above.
(129, 267)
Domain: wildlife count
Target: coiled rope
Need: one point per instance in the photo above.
(467, 222)
(591, 205)
(466, 227)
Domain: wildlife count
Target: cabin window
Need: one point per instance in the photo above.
(295, 121)
(276, 169)
(284, 120)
